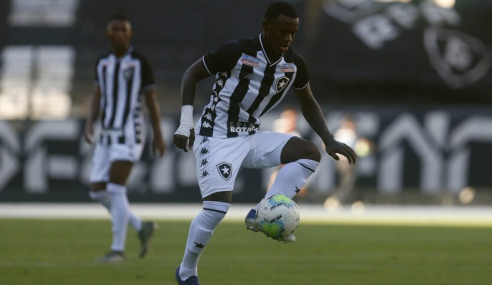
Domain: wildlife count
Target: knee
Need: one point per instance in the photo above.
(224, 197)
(98, 186)
(297, 149)
(311, 151)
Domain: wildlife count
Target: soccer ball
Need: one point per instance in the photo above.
(277, 216)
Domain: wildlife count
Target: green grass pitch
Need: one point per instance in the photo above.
(56, 252)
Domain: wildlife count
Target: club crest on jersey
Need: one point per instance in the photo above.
(287, 67)
(128, 73)
(225, 170)
(282, 82)
(250, 60)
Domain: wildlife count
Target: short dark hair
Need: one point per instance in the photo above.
(280, 8)
(118, 17)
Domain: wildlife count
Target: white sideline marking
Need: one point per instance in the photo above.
(390, 215)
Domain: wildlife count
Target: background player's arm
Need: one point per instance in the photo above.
(185, 135)
(93, 114)
(153, 105)
(314, 116)
(148, 84)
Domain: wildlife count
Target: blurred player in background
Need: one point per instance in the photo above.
(287, 122)
(121, 75)
(252, 76)
(347, 174)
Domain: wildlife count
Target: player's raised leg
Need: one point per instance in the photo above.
(301, 159)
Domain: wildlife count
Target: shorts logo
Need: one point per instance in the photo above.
(225, 170)
(281, 83)
(287, 67)
(250, 60)
(204, 174)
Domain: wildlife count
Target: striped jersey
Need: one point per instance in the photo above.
(247, 85)
(122, 80)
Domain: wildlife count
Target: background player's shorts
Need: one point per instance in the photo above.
(218, 159)
(104, 155)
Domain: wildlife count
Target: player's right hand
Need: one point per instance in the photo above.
(89, 133)
(182, 141)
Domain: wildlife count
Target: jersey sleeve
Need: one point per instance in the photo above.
(148, 82)
(224, 58)
(302, 77)
(96, 75)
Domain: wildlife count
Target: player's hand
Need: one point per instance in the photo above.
(159, 146)
(333, 147)
(89, 132)
(183, 142)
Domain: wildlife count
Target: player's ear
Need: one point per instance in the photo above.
(264, 24)
(106, 31)
(130, 30)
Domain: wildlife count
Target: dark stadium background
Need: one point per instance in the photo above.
(421, 94)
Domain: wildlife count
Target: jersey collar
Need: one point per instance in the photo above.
(128, 51)
(265, 54)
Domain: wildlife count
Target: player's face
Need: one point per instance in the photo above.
(280, 33)
(119, 33)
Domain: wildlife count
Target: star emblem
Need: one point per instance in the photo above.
(199, 245)
(225, 170)
(281, 83)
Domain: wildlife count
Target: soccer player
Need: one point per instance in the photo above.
(251, 77)
(121, 75)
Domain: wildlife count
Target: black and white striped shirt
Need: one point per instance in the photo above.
(122, 80)
(247, 85)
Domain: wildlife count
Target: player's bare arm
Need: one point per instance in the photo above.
(314, 116)
(93, 114)
(153, 105)
(185, 135)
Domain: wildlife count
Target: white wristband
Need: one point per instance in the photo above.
(186, 122)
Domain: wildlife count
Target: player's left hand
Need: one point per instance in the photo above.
(89, 133)
(333, 147)
(159, 146)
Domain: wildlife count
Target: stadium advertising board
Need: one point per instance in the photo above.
(429, 150)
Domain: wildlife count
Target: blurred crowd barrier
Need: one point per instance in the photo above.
(419, 156)
(416, 52)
